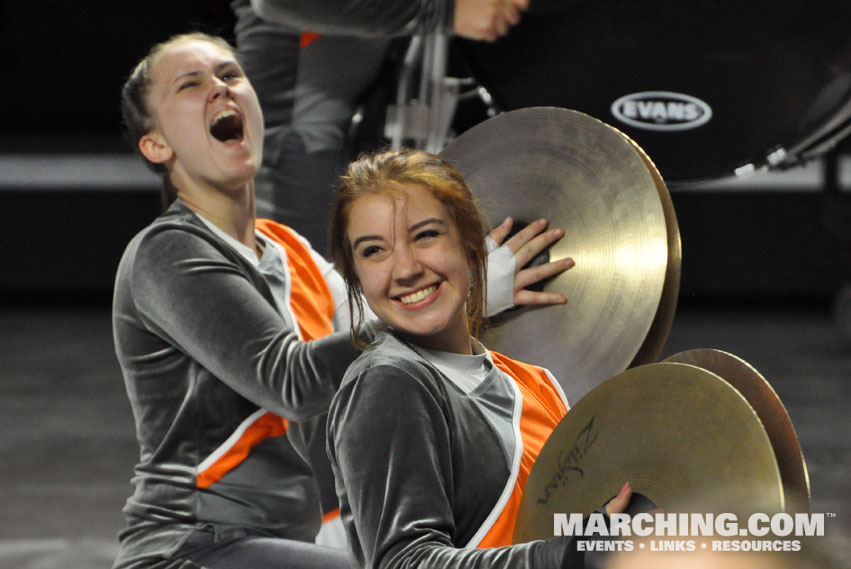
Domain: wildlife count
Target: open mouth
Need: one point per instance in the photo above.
(418, 295)
(227, 126)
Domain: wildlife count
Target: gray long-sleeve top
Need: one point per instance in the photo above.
(419, 467)
(203, 347)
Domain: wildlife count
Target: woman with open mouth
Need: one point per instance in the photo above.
(224, 331)
(431, 436)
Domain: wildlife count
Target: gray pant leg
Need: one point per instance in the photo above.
(258, 553)
(333, 74)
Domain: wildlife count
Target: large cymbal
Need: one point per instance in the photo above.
(769, 408)
(587, 178)
(661, 326)
(680, 435)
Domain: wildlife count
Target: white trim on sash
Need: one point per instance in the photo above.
(231, 440)
(285, 302)
(496, 512)
(557, 387)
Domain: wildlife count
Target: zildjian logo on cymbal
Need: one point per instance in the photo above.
(571, 461)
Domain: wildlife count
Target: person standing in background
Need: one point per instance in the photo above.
(312, 63)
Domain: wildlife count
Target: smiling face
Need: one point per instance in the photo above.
(411, 266)
(208, 126)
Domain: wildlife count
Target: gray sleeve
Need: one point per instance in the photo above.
(389, 442)
(187, 291)
(359, 17)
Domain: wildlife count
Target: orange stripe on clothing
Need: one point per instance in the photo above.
(307, 38)
(313, 308)
(268, 425)
(310, 298)
(543, 408)
(330, 515)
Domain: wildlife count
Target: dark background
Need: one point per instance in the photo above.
(64, 63)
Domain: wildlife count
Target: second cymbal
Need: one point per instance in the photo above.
(679, 434)
(770, 410)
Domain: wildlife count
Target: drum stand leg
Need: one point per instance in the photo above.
(837, 218)
(424, 121)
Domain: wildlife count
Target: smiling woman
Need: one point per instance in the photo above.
(391, 209)
(414, 273)
(431, 436)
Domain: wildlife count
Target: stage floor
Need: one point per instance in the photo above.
(68, 444)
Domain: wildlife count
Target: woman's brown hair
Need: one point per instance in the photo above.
(392, 171)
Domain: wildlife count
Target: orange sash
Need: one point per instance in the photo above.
(310, 297)
(313, 307)
(543, 407)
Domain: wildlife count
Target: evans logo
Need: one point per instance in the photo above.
(661, 110)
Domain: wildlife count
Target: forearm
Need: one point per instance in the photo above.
(291, 378)
(189, 293)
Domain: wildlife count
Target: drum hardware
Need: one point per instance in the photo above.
(775, 78)
(424, 121)
(722, 58)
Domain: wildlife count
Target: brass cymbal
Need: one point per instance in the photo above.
(661, 326)
(679, 434)
(770, 410)
(587, 178)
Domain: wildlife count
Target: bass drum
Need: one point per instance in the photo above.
(709, 89)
